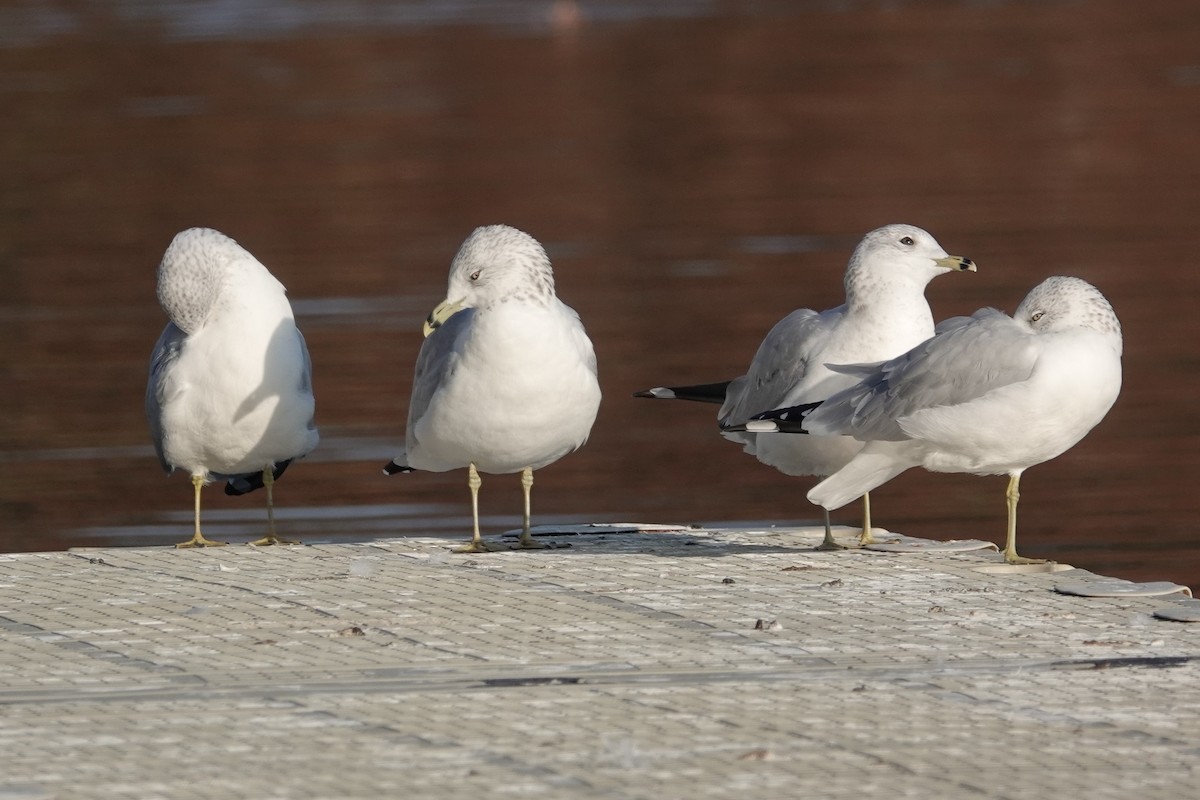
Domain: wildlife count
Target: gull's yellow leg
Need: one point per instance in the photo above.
(866, 537)
(474, 482)
(1013, 495)
(526, 538)
(828, 543)
(198, 539)
(270, 538)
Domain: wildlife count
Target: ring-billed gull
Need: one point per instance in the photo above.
(230, 389)
(506, 377)
(885, 313)
(988, 395)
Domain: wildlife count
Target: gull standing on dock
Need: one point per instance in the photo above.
(506, 377)
(988, 395)
(885, 313)
(230, 389)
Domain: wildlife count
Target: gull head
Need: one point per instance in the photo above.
(495, 263)
(905, 250)
(192, 272)
(1062, 303)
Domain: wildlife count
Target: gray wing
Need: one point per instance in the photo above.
(780, 365)
(162, 359)
(967, 360)
(436, 361)
(954, 323)
(306, 384)
(306, 371)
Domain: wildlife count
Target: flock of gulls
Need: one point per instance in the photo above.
(506, 382)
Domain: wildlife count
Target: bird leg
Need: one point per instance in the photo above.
(198, 539)
(1013, 495)
(526, 538)
(828, 543)
(474, 482)
(866, 537)
(269, 485)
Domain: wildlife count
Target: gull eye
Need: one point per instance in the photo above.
(475, 275)
(1037, 315)
(908, 240)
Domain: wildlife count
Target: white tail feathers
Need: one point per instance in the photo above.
(875, 465)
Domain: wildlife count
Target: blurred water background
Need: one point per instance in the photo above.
(695, 169)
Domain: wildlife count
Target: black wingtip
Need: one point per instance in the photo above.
(777, 420)
(699, 393)
(391, 468)
(244, 484)
(781, 420)
(789, 414)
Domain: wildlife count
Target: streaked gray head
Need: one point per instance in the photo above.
(1061, 303)
(191, 274)
(901, 251)
(497, 262)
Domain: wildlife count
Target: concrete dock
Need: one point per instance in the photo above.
(628, 662)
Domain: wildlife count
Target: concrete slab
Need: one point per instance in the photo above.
(668, 662)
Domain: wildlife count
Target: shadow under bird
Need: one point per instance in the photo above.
(229, 395)
(885, 313)
(988, 395)
(505, 380)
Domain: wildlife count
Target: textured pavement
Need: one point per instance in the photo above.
(665, 663)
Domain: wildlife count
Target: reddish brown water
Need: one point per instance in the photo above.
(696, 172)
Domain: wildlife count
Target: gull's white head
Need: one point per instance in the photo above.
(1062, 303)
(903, 250)
(495, 263)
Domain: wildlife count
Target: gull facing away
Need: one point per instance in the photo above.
(506, 377)
(230, 389)
(988, 395)
(885, 313)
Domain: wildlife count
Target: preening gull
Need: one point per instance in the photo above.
(988, 395)
(230, 390)
(506, 377)
(885, 313)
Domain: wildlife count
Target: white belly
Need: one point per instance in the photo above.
(523, 395)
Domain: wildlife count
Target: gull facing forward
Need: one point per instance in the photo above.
(506, 377)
